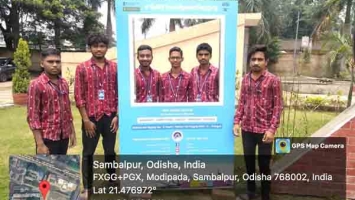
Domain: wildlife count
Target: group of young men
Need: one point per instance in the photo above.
(96, 96)
(177, 85)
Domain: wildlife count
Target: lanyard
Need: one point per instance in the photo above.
(60, 92)
(172, 88)
(258, 83)
(148, 85)
(98, 83)
(203, 84)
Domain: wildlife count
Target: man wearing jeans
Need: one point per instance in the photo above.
(97, 100)
(259, 110)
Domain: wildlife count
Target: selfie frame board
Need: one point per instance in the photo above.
(149, 128)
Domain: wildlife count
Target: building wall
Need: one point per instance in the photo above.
(316, 67)
(340, 163)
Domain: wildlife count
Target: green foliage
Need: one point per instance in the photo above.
(340, 46)
(22, 60)
(314, 101)
(306, 55)
(69, 20)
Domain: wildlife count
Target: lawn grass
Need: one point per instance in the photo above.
(16, 138)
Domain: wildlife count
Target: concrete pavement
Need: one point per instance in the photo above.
(6, 94)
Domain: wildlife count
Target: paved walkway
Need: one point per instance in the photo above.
(6, 94)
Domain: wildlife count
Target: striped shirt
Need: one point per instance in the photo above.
(48, 108)
(147, 87)
(206, 86)
(175, 89)
(96, 88)
(260, 103)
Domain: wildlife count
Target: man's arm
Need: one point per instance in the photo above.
(116, 87)
(79, 94)
(190, 88)
(217, 85)
(278, 105)
(33, 117)
(159, 88)
(240, 110)
(72, 136)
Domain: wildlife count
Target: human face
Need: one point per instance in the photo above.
(258, 62)
(175, 59)
(203, 57)
(145, 57)
(99, 50)
(52, 65)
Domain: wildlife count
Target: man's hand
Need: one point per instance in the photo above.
(90, 128)
(72, 139)
(114, 124)
(236, 130)
(42, 149)
(268, 137)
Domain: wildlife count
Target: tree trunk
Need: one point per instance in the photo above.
(12, 32)
(57, 33)
(15, 22)
(8, 42)
(347, 17)
(109, 22)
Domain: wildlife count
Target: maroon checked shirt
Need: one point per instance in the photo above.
(147, 86)
(175, 89)
(206, 86)
(48, 108)
(96, 88)
(260, 103)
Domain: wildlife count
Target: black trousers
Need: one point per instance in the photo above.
(89, 147)
(250, 141)
(59, 147)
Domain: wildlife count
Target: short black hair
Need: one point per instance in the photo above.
(49, 52)
(97, 38)
(178, 49)
(258, 48)
(204, 46)
(144, 47)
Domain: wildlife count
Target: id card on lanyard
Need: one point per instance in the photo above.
(99, 85)
(175, 93)
(200, 86)
(148, 85)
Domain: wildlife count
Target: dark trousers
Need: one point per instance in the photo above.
(59, 147)
(89, 147)
(250, 141)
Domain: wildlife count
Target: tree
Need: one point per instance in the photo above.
(110, 8)
(327, 14)
(69, 20)
(341, 47)
(269, 28)
(95, 5)
(10, 15)
(22, 60)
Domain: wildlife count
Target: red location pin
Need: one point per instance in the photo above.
(44, 187)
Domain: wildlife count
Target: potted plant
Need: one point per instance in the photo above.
(21, 77)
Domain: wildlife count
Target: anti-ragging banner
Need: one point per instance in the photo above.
(201, 123)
